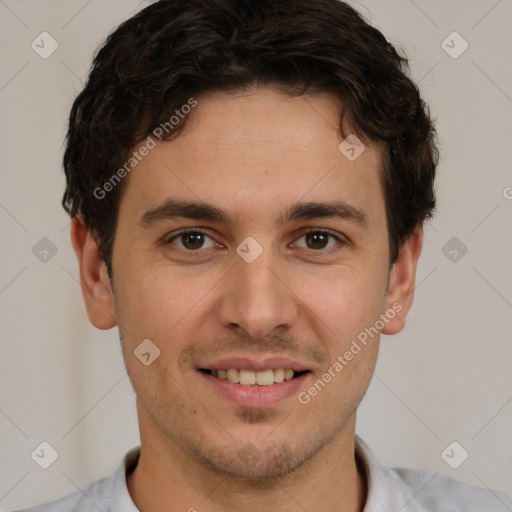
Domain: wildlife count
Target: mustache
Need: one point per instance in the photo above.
(276, 345)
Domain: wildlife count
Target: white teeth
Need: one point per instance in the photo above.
(265, 378)
(288, 374)
(279, 375)
(250, 378)
(247, 377)
(232, 375)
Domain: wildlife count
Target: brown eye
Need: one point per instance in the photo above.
(192, 240)
(318, 240)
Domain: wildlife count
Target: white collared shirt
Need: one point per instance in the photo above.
(389, 490)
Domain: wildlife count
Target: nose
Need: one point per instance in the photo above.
(257, 301)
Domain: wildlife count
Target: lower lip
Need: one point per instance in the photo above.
(257, 396)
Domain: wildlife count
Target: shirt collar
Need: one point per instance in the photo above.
(121, 500)
(386, 490)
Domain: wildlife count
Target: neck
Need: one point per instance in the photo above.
(165, 475)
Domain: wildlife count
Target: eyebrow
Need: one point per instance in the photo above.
(172, 209)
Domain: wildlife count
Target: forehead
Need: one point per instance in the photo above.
(258, 151)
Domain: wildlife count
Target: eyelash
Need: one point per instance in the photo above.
(340, 241)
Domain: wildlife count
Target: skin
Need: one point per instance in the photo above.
(254, 155)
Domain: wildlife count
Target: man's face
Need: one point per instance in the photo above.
(194, 282)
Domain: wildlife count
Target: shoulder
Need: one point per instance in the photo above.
(93, 497)
(109, 493)
(437, 493)
(409, 490)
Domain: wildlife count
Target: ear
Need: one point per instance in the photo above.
(402, 282)
(94, 280)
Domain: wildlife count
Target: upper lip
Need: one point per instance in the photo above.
(245, 363)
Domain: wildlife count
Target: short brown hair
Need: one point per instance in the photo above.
(153, 63)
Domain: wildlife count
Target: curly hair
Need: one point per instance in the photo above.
(153, 63)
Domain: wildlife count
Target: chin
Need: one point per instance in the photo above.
(248, 463)
(256, 459)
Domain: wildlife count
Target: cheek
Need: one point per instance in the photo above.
(161, 303)
(142, 302)
(343, 303)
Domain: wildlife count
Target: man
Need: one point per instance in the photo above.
(248, 183)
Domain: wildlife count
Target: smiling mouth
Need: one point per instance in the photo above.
(252, 378)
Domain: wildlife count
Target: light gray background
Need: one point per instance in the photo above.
(447, 377)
